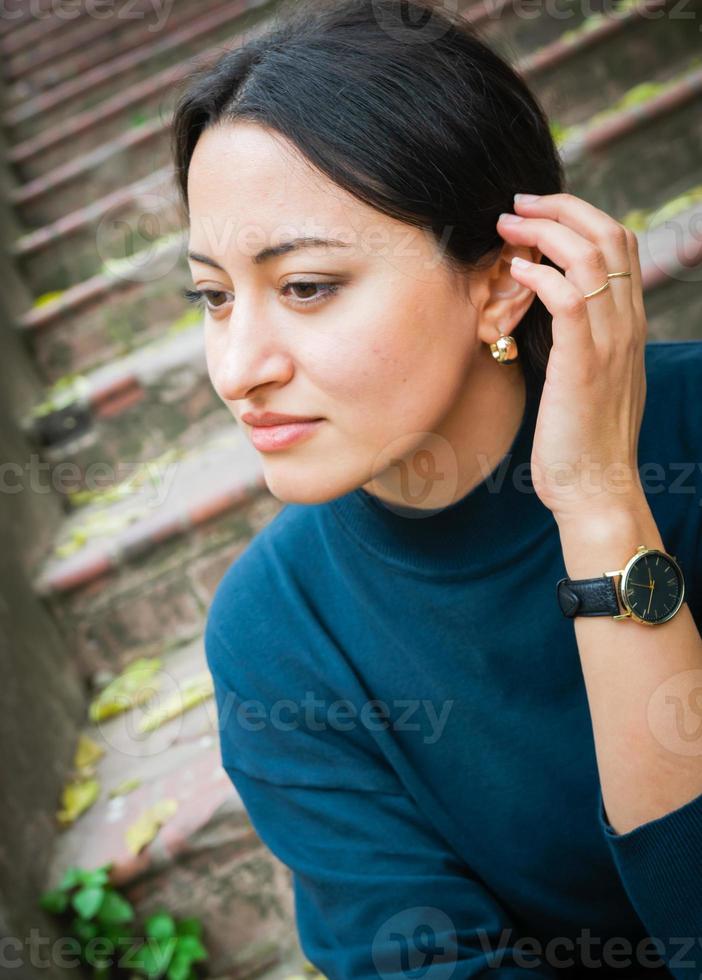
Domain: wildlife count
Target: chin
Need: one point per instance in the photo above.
(294, 483)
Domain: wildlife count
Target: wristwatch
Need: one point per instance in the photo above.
(651, 589)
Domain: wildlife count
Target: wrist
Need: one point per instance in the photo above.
(604, 540)
(605, 517)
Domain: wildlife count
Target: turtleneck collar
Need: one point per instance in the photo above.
(481, 532)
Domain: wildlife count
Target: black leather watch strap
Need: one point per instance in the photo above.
(588, 596)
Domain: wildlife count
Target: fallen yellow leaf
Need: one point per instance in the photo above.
(192, 691)
(126, 786)
(145, 828)
(77, 796)
(136, 684)
(87, 752)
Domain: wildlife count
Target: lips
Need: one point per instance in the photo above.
(266, 419)
(268, 438)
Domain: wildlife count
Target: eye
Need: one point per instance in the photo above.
(216, 297)
(327, 290)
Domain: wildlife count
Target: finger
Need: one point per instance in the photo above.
(572, 332)
(611, 237)
(637, 296)
(582, 262)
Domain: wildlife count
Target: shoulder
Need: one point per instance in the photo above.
(670, 454)
(670, 426)
(674, 359)
(673, 372)
(279, 673)
(262, 578)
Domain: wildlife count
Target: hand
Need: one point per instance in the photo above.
(585, 452)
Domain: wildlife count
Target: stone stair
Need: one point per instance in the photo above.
(161, 489)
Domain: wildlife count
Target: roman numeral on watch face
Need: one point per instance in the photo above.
(653, 588)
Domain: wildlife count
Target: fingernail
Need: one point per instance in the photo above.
(520, 263)
(508, 219)
(525, 198)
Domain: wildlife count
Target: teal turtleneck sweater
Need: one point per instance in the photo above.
(403, 714)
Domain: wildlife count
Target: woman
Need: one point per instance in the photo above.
(464, 768)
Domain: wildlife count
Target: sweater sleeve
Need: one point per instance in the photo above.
(660, 861)
(378, 894)
(660, 865)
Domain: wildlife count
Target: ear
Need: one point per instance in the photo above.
(506, 300)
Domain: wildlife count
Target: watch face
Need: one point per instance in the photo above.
(652, 587)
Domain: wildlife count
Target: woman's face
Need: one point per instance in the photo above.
(374, 336)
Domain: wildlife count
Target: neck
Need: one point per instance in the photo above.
(464, 447)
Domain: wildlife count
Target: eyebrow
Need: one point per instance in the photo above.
(294, 245)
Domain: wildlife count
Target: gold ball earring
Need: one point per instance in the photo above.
(505, 349)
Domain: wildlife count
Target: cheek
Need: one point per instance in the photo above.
(215, 352)
(355, 374)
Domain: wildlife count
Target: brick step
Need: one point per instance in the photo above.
(24, 25)
(671, 261)
(136, 151)
(152, 97)
(86, 110)
(58, 58)
(12, 21)
(133, 408)
(642, 155)
(206, 859)
(140, 565)
(109, 314)
(516, 29)
(159, 395)
(75, 247)
(37, 152)
(588, 69)
(49, 265)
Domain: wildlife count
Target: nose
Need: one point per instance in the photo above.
(246, 352)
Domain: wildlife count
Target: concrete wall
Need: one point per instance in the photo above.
(41, 699)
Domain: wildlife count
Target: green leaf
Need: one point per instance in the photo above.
(153, 957)
(115, 909)
(101, 970)
(160, 926)
(191, 947)
(54, 901)
(87, 901)
(189, 927)
(84, 930)
(116, 933)
(179, 968)
(71, 877)
(95, 877)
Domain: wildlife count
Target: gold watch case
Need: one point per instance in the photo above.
(621, 588)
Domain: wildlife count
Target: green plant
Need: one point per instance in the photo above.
(102, 922)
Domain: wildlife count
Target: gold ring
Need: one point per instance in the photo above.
(601, 289)
(594, 292)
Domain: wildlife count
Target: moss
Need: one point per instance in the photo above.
(47, 298)
(68, 389)
(639, 95)
(640, 220)
(191, 318)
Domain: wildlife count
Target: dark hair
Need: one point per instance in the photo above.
(402, 105)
